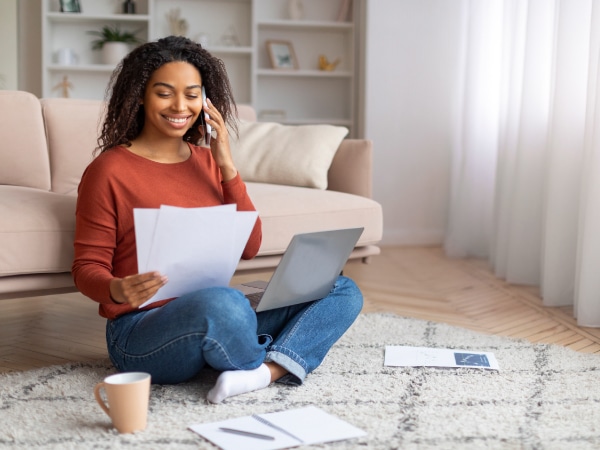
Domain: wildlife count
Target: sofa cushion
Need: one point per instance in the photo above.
(37, 227)
(71, 147)
(24, 151)
(288, 210)
(36, 231)
(294, 155)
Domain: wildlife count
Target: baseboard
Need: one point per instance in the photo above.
(412, 237)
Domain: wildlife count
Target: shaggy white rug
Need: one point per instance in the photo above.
(543, 397)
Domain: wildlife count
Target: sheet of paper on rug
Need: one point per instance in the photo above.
(302, 426)
(406, 356)
(194, 247)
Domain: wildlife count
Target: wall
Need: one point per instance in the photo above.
(8, 49)
(411, 76)
(30, 49)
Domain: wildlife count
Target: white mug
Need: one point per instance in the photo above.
(66, 57)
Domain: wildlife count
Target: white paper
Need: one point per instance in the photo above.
(195, 248)
(145, 224)
(145, 220)
(438, 357)
(313, 425)
(310, 425)
(227, 441)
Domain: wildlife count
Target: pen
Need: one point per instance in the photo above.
(247, 433)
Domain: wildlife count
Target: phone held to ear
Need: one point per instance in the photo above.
(194, 135)
(208, 128)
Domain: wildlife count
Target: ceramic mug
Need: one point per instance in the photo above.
(128, 394)
(66, 57)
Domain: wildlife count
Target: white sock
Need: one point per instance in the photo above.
(236, 382)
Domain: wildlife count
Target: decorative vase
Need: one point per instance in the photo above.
(129, 7)
(296, 9)
(114, 52)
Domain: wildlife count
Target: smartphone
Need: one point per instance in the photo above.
(193, 135)
(208, 128)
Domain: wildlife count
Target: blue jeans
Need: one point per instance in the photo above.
(217, 327)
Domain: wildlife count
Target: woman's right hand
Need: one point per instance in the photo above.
(136, 289)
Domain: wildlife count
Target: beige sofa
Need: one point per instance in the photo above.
(45, 146)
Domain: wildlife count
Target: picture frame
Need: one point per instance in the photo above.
(282, 55)
(70, 6)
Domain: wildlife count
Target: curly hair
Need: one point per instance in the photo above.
(124, 118)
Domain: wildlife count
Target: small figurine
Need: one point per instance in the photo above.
(324, 63)
(230, 37)
(296, 9)
(65, 85)
(178, 27)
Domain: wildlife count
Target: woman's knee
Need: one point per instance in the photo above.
(351, 292)
(221, 307)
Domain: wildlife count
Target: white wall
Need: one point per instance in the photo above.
(8, 49)
(30, 48)
(411, 76)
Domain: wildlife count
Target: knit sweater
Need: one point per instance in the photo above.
(118, 181)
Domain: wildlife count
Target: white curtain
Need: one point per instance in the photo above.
(525, 187)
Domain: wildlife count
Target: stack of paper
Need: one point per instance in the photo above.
(195, 248)
(302, 426)
(397, 355)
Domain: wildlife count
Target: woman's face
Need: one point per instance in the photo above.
(173, 99)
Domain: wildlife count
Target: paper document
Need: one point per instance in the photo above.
(195, 248)
(438, 357)
(302, 426)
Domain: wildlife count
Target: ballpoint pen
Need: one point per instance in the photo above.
(247, 433)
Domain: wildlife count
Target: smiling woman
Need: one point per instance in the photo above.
(172, 107)
(151, 155)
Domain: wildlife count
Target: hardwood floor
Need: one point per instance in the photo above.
(415, 282)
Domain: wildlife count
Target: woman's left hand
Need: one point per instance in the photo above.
(219, 145)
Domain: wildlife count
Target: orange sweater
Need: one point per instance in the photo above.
(118, 181)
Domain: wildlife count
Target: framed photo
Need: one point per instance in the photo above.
(70, 6)
(282, 55)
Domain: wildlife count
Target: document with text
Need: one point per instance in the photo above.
(406, 356)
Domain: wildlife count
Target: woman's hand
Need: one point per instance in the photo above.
(219, 145)
(136, 289)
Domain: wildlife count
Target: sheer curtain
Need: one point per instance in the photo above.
(525, 187)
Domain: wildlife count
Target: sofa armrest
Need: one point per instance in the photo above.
(351, 170)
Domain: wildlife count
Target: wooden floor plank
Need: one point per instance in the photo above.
(592, 348)
(419, 282)
(564, 337)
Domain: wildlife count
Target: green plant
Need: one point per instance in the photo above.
(113, 33)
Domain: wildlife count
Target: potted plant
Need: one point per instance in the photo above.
(114, 42)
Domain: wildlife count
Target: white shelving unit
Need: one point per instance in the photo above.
(306, 95)
(87, 77)
(214, 23)
(235, 31)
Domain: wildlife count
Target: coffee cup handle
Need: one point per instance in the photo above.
(99, 398)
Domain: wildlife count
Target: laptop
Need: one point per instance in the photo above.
(307, 271)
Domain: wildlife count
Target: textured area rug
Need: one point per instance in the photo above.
(543, 397)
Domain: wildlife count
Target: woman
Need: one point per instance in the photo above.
(149, 157)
